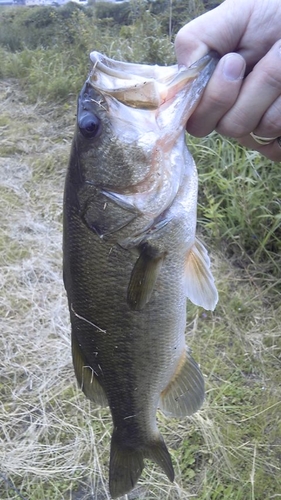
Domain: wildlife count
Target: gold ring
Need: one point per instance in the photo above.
(264, 141)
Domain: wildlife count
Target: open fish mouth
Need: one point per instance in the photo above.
(143, 86)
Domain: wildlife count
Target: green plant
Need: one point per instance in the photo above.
(239, 200)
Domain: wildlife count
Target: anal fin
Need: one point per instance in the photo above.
(184, 394)
(86, 377)
(200, 287)
(144, 276)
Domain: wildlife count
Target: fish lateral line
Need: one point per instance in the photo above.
(86, 320)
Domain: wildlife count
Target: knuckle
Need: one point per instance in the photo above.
(269, 129)
(268, 70)
(233, 125)
(180, 37)
(270, 123)
(272, 78)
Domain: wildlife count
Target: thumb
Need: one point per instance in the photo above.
(189, 47)
(214, 30)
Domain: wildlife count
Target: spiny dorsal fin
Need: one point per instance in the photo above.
(184, 394)
(143, 277)
(200, 287)
(86, 376)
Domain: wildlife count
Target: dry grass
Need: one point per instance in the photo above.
(53, 443)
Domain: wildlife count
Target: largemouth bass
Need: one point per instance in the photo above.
(131, 256)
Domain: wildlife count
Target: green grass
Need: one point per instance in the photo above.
(239, 200)
(53, 444)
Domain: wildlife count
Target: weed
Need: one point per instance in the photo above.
(239, 200)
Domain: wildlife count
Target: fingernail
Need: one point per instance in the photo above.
(233, 67)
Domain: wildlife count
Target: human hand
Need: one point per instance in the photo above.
(246, 33)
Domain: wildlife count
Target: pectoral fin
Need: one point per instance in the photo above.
(184, 394)
(143, 277)
(200, 287)
(86, 377)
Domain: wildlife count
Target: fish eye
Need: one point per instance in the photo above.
(89, 125)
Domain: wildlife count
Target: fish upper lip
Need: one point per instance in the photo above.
(129, 71)
(141, 85)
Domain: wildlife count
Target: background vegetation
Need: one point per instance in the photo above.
(53, 443)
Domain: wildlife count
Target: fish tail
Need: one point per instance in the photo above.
(126, 464)
(158, 452)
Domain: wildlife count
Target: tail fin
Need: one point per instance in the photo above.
(126, 464)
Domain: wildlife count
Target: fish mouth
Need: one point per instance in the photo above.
(144, 86)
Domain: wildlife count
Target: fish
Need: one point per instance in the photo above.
(130, 253)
